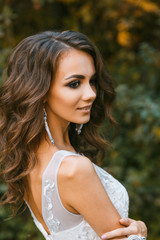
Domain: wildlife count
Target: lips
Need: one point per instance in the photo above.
(88, 107)
(85, 109)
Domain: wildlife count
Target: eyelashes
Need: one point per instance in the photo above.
(93, 81)
(76, 83)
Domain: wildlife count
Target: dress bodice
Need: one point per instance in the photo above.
(63, 224)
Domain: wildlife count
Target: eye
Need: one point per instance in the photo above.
(93, 81)
(74, 84)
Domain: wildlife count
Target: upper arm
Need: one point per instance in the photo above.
(81, 188)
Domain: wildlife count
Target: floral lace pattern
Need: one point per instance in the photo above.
(83, 231)
(115, 191)
(86, 233)
(52, 222)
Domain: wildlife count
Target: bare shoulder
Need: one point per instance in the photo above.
(82, 192)
(76, 166)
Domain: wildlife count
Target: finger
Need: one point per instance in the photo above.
(115, 233)
(143, 228)
(104, 236)
(121, 232)
(126, 221)
(137, 227)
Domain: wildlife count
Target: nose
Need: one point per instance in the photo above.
(89, 93)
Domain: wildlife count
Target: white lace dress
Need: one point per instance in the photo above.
(65, 225)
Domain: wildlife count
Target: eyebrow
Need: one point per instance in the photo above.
(79, 76)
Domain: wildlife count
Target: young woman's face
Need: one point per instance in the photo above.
(73, 90)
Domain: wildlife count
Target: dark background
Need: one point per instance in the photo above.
(127, 32)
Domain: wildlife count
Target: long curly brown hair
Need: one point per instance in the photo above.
(31, 68)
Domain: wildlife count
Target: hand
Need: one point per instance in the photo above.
(131, 227)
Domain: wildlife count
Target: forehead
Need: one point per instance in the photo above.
(75, 62)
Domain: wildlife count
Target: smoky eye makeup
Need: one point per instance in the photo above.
(93, 80)
(74, 84)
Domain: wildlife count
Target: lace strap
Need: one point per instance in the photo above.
(56, 216)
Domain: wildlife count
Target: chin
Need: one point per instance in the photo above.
(85, 121)
(81, 120)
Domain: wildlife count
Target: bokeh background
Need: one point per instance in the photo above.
(127, 32)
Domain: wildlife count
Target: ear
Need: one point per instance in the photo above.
(45, 100)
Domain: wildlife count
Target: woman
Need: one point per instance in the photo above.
(55, 98)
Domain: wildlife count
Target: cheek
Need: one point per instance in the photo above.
(63, 100)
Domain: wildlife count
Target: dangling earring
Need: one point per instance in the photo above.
(46, 126)
(79, 129)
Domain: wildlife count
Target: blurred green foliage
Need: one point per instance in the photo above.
(127, 32)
